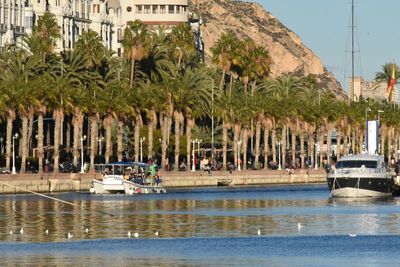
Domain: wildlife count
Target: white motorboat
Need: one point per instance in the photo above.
(360, 175)
(127, 177)
(108, 184)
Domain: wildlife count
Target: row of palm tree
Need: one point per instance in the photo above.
(161, 89)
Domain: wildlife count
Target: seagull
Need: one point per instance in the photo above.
(299, 226)
(70, 235)
(352, 235)
(46, 232)
(11, 232)
(21, 231)
(259, 232)
(136, 234)
(156, 233)
(86, 230)
(129, 234)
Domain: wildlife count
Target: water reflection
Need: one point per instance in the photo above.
(198, 214)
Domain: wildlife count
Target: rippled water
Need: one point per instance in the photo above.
(202, 226)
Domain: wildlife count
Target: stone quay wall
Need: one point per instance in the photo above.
(65, 182)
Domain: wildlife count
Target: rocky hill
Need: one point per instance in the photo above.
(245, 19)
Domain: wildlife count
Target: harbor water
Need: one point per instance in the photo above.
(219, 226)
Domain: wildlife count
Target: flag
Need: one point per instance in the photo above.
(391, 84)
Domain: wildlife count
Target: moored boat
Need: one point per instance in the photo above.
(128, 178)
(360, 175)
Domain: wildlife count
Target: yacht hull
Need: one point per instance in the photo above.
(360, 187)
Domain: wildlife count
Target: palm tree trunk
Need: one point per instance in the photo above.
(221, 83)
(328, 143)
(273, 145)
(24, 143)
(293, 146)
(164, 132)
(40, 152)
(132, 72)
(284, 130)
(396, 147)
(236, 134)
(302, 153)
(138, 126)
(338, 144)
(266, 147)
(120, 147)
(10, 119)
(57, 131)
(382, 149)
(177, 139)
(107, 124)
(189, 127)
(245, 142)
(61, 129)
(345, 144)
(321, 146)
(152, 125)
(257, 145)
(30, 130)
(77, 123)
(360, 142)
(224, 144)
(68, 133)
(389, 145)
(311, 148)
(353, 142)
(93, 135)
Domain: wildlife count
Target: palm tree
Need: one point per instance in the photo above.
(182, 40)
(136, 44)
(224, 52)
(390, 74)
(90, 46)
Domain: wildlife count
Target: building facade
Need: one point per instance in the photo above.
(373, 90)
(107, 18)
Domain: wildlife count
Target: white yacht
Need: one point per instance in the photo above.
(360, 175)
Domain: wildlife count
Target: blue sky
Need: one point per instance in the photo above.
(324, 26)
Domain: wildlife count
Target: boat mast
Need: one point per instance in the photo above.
(352, 46)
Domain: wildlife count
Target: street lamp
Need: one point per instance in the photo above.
(238, 160)
(82, 139)
(141, 148)
(194, 141)
(198, 146)
(13, 167)
(100, 139)
(279, 156)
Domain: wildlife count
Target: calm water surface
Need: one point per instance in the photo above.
(201, 227)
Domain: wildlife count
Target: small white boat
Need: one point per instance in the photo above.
(134, 188)
(108, 184)
(126, 177)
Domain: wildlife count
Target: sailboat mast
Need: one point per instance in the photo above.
(352, 45)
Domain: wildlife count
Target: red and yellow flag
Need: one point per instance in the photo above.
(391, 84)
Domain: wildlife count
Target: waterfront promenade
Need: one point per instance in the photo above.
(62, 182)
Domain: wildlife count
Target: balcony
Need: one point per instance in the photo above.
(19, 30)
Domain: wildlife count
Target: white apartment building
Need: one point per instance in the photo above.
(107, 18)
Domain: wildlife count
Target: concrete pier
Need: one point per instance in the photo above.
(64, 182)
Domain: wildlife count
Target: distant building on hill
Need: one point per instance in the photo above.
(108, 18)
(373, 90)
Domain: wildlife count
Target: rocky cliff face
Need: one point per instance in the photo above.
(250, 20)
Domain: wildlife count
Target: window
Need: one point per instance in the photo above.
(139, 9)
(28, 22)
(171, 9)
(146, 9)
(129, 9)
(96, 8)
(356, 164)
(162, 9)
(155, 9)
